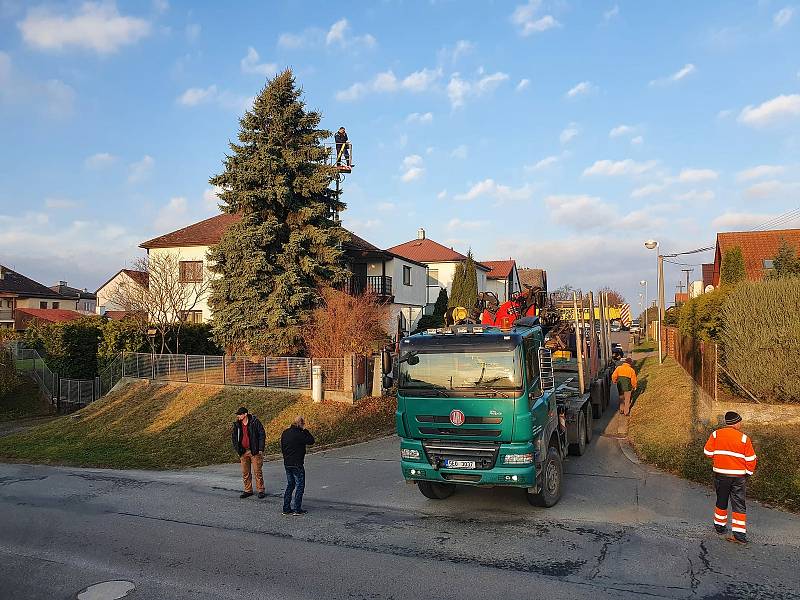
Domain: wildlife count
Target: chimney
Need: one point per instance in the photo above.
(420, 234)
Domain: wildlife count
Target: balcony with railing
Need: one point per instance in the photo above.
(379, 285)
(6, 314)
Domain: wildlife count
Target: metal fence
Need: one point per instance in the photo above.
(110, 376)
(260, 371)
(77, 393)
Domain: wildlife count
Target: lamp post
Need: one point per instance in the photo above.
(644, 283)
(653, 245)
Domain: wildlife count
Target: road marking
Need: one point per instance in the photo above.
(108, 590)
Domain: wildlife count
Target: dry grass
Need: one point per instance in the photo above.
(665, 430)
(160, 426)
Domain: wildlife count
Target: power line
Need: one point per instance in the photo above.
(788, 216)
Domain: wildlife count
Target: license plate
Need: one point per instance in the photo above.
(459, 464)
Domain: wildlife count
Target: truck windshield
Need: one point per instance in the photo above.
(462, 370)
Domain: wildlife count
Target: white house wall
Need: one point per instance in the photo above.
(191, 253)
(498, 286)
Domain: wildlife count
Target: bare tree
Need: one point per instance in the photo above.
(174, 289)
(615, 298)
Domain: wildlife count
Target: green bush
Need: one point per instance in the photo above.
(70, 349)
(428, 322)
(761, 338)
(118, 336)
(8, 374)
(732, 270)
(700, 317)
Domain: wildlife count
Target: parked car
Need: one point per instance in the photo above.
(616, 326)
(635, 328)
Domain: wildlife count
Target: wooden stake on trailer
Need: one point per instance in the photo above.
(578, 342)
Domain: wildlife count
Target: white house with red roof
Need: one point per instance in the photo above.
(441, 262)
(503, 279)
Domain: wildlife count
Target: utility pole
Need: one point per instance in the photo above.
(660, 305)
(687, 271)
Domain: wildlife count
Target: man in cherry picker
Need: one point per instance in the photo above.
(342, 147)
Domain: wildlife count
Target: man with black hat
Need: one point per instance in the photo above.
(734, 460)
(248, 439)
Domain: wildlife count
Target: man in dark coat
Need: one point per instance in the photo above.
(293, 446)
(248, 438)
(342, 147)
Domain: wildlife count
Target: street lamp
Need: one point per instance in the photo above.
(644, 283)
(653, 245)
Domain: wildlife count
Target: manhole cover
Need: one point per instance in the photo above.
(108, 590)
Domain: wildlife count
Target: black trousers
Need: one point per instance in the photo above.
(342, 151)
(731, 489)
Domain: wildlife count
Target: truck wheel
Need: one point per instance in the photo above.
(579, 447)
(436, 491)
(552, 476)
(589, 424)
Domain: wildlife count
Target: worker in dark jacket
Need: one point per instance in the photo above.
(248, 438)
(342, 146)
(293, 447)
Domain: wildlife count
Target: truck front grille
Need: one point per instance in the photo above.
(460, 431)
(484, 455)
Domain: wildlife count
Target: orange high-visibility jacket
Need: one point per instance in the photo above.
(732, 452)
(625, 370)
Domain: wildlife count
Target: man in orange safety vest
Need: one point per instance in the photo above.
(734, 460)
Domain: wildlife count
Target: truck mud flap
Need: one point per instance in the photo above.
(598, 397)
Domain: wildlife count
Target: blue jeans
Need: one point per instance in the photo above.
(295, 482)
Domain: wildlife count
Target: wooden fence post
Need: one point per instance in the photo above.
(224, 374)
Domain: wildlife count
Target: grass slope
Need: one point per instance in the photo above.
(666, 432)
(152, 426)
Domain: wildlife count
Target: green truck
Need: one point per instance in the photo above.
(484, 406)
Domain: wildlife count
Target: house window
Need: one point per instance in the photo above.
(191, 271)
(192, 316)
(406, 275)
(56, 304)
(433, 277)
(42, 304)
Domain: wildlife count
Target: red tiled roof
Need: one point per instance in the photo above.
(428, 251)
(53, 315)
(756, 247)
(140, 277)
(533, 277)
(204, 233)
(500, 269)
(118, 315)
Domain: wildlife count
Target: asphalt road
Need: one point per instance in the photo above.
(620, 531)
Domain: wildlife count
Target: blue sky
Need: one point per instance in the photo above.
(562, 134)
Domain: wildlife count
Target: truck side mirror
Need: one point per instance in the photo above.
(546, 371)
(386, 361)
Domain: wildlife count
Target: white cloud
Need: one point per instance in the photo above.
(459, 90)
(94, 26)
(457, 224)
(695, 175)
(621, 130)
(454, 53)
(500, 193)
(293, 41)
(99, 160)
(771, 189)
(339, 34)
(581, 89)
(59, 203)
(648, 190)
(172, 215)
(725, 113)
(527, 20)
(523, 84)
(387, 82)
(442, 195)
(193, 31)
(678, 75)
(568, 133)
(197, 96)
(759, 171)
(420, 117)
(211, 200)
(460, 152)
(545, 163)
(695, 196)
(611, 13)
(412, 168)
(779, 109)
(579, 210)
(619, 167)
(783, 16)
(140, 170)
(642, 219)
(251, 65)
(52, 97)
(739, 220)
(161, 6)
(637, 141)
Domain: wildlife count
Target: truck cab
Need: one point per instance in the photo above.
(484, 406)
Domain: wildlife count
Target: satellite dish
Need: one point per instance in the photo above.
(709, 288)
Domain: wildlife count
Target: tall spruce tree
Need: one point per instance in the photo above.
(441, 304)
(470, 290)
(457, 286)
(273, 261)
(732, 270)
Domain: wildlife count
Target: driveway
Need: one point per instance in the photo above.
(622, 530)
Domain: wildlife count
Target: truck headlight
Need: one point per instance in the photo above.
(409, 454)
(518, 459)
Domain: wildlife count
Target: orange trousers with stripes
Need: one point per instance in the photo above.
(731, 489)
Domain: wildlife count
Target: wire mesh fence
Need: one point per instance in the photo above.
(110, 376)
(77, 393)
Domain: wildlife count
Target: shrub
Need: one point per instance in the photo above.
(700, 317)
(8, 374)
(732, 270)
(428, 322)
(346, 324)
(761, 338)
(118, 336)
(70, 349)
(441, 304)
